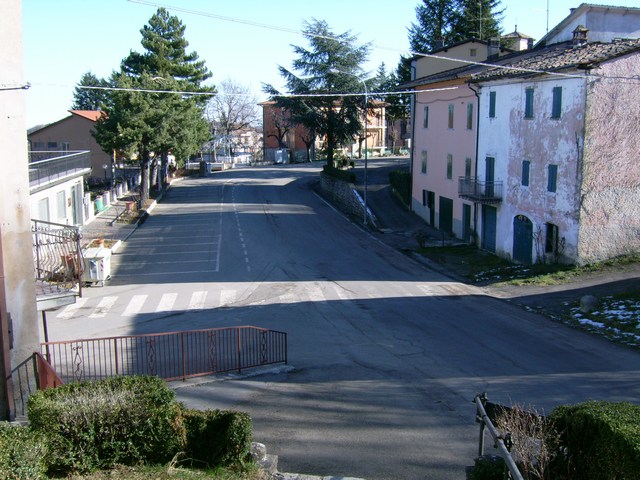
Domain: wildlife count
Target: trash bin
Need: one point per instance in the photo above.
(97, 265)
(99, 204)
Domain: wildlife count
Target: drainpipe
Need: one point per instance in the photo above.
(475, 169)
(412, 139)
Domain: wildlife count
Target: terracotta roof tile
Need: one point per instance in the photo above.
(561, 56)
(93, 115)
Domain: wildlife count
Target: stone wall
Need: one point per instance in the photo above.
(342, 194)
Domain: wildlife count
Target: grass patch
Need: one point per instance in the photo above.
(172, 472)
(616, 318)
(483, 268)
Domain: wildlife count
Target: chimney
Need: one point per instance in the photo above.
(493, 48)
(580, 36)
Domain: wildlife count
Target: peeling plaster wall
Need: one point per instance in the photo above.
(510, 138)
(609, 213)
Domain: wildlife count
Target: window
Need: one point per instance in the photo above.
(450, 123)
(423, 168)
(43, 209)
(467, 167)
(552, 180)
(556, 108)
(425, 122)
(449, 166)
(473, 52)
(526, 166)
(38, 145)
(551, 243)
(61, 207)
(52, 145)
(528, 102)
(65, 146)
(469, 116)
(492, 104)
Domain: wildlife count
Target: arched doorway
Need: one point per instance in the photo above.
(522, 239)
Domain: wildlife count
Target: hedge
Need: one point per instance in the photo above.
(95, 425)
(22, 453)
(601, 440)
(344, 175)
(400, 181)
(217, 438)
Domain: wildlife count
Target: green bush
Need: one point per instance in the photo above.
(400, 181)
(95, 425)
(217, 438)
(22, 453)
(488, 467)
(600, 440)
(344, 175)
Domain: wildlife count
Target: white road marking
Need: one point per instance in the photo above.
(103, 307)
(135, 305)
(166, 302)
(197, 300)
(69, 310)
(227, 297)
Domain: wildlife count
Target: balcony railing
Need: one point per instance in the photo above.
(480, 191)
(57, 260)
(47, 167)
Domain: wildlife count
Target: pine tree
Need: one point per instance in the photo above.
(444, 22)
(330, 66)
(90, 98)
(433, 29)
(478, 19)
(157, 122)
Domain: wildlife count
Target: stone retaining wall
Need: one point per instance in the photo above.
(343, 194)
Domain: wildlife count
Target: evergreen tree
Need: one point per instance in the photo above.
(157, 122)
(435, 20)
(478, 19)
(330, 66)
(444, 22)
(90, 98)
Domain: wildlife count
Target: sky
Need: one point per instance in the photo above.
(242, 40)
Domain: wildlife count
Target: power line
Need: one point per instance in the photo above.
(379, 47)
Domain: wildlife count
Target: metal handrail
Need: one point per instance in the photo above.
(49, 168)
(475, 189)
(57, 255)
(46, 375)
(498, 438)
(171, 356)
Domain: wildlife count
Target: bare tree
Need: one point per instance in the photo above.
(281, 121)
(233, 110)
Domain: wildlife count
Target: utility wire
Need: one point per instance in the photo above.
(379, 47)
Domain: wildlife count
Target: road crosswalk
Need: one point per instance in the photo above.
(130, 305)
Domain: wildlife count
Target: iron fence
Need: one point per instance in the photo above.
(171, 356)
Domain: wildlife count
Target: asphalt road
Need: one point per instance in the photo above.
(386, 355)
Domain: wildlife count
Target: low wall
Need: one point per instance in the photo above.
(345, 196)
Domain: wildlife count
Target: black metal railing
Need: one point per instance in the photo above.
(480, 191)
(171, 356)
(57, 256)
(47, 167)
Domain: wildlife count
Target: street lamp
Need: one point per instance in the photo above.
(366, 157)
